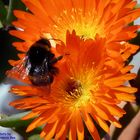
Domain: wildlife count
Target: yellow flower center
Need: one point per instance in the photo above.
(79, 88)
(86, 24)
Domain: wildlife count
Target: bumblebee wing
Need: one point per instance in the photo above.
(19, 71)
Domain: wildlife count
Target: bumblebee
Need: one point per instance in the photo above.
(38, 64)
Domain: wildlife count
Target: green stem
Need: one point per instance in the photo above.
(10, 15)
(3, 14)
(14, 5)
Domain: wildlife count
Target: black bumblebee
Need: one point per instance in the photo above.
(38, 64)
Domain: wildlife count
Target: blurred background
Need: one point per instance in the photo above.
(7, 51)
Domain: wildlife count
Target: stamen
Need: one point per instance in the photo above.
(73, 88)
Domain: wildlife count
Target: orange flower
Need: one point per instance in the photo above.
(107, 18)
(87, 88)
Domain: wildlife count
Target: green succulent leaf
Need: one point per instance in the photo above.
(35, 137)
(3, 13)
(14, 120)
(20, 126)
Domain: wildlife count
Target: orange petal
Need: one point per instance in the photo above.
(62, 126)
(101, 122)
(80, 127)
(49, 131)
(90, 126)
(126, 69)
(115, 110)
(125, 97)
(33, 125)
(30, 115)
(117, 81)
(125, 89)
(72, 131)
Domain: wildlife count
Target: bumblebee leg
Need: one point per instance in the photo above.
(56, 59)
(54, 70)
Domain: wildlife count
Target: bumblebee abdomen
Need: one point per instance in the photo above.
(41, 80)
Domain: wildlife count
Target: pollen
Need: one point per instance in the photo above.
(80, 89)
(85, 24)
(75, 93)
